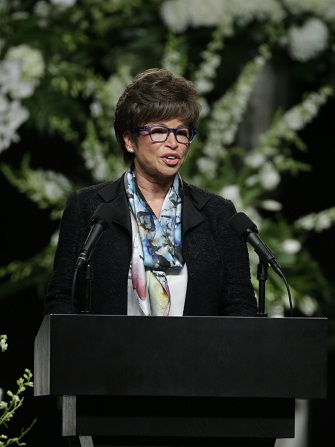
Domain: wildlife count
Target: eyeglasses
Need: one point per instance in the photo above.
(159, 134)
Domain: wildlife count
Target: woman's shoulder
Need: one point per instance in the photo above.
(200, 194)
(84, 201)
(103, 190)
(92, 189)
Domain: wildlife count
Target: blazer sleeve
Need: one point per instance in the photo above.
(73, 230)
(238, 296)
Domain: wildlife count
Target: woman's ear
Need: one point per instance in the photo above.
(128, 142)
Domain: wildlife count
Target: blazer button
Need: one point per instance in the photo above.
(192, 275)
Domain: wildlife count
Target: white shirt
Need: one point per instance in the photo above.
(177, 280)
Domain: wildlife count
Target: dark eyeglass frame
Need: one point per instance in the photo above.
(169, 130)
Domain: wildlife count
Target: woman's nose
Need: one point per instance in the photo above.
(172, 140)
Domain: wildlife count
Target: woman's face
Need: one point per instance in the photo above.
(157, 160)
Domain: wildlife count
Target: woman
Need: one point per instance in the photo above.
(169, 249)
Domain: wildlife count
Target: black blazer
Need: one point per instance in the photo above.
(217, 260)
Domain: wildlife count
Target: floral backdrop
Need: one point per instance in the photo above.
(64, 64)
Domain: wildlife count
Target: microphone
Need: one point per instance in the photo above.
(245, 228)
(101, 220)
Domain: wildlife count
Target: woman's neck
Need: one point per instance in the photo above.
(154, 192)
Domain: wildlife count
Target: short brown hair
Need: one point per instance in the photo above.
(155, 94)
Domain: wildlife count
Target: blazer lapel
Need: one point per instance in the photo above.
(115, 195)
(193, 202)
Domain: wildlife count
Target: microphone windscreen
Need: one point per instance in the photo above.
(240, 223)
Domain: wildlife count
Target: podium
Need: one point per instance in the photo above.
(179, 381)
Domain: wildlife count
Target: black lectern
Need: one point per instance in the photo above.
(180, 381)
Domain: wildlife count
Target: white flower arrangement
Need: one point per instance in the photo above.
(295, 119)
(303, 42)
(20, 73)
(12, 116)
(309, 40)
(181, 14)
(30, 60)
(211, 59)
(318, 222)
(44, 187)
(226, 115)
(322, 8)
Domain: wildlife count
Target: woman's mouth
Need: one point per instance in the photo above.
(171, 160)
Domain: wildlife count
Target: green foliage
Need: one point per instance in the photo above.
(15, 401)
(19, 275)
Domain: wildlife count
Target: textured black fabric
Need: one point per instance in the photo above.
(217, 260)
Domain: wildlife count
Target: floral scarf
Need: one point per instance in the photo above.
(156, 246)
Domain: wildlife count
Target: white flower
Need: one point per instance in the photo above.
(174, 14)
(12, 115)
(15, 116)
(3, 343)
(308, 305)
(54, 238)
(114, 87)
(12, 82)
(207, 166)
(63, 4)
(306, 42)
(213, 150)
(254, 160)
(3, 104)
(31, 62)
(271, 205)
(269, 177)
(41, 9)
(290, 246)
(252, 180)
(173, 61)
(244, 12)
(47, 186)
(233, 193)
(297, 117)
(294, 119)
(203, 86)
(208, 13)
(205, 109)
(96, 109)
(306, 222)
(3, 405)
(52, 191)
(323, 222)
(212, 62)
(317, 221)
(179, 14)
(277, 310)
(322, 8)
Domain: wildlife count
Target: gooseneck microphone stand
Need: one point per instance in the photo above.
(86, 307)
(262, 276)
(85, 301)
